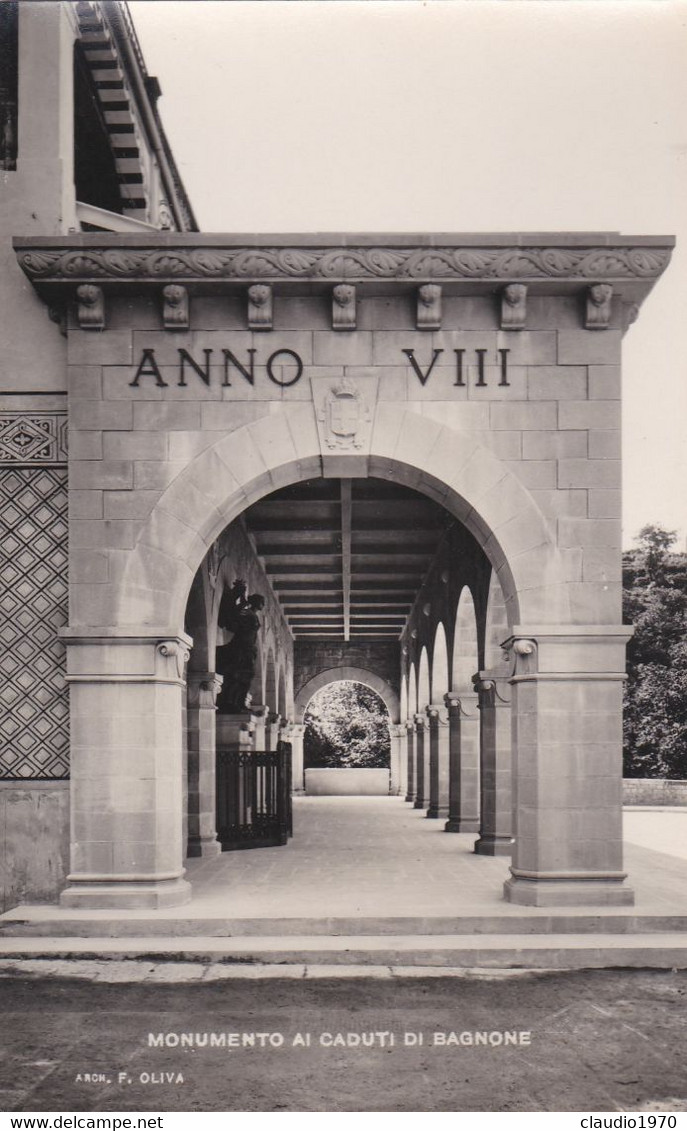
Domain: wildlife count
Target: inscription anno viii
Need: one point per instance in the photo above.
(284, 367)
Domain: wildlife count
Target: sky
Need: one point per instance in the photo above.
(451, 115)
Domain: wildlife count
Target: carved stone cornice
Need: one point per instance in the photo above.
(597, 258)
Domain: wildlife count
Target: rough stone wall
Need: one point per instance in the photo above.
(312, 657)
(653, 791)
(34, 841)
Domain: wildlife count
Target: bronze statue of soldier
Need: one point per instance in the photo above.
(236, 661)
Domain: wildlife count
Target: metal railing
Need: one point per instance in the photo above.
(253, 797)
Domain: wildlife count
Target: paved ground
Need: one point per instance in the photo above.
(377, 856)
(599, 1041)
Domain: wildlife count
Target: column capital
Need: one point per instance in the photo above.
(569, 651)
(297, 730)
(493, 688)
(203, 689)
(421, 721)
(437, 714)
(118, 656)
(452, 701)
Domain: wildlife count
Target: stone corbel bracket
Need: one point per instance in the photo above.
(260, 307)
(90, 309)
(343, 307)
(429, 307)
(598, 306)
(175, 314)
(514, 306)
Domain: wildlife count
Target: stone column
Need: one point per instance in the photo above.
(495, 833)
(421, 745)
(259, 714)
(272, 732)
(463, 816)
(296, 733)
(410, 746)
(203, 688)
(438, 760)
(567, 764)
(398, 759)
(126, 769)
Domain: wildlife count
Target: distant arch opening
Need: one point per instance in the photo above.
(346, 727)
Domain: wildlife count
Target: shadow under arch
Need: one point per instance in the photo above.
(355, 675)
(451, 467)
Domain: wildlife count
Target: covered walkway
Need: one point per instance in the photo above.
(360, 865)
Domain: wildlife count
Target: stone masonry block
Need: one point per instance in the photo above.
(85, 382)
(144, 312)
(101, 534)
(528, 347)
(540, 416)
(589, 414)
(168, 535)
(589, 347)
(589, 473)
(505, 445)
(230, 415)
(554, 445)
(294, 311)
(380, 312)
(605, 382)
(493, 390)
(572, 504)
(166, 348)
(440, 385)
(185, 446)
(89, 566)
(164, 417)
(465, 416)
(604, 445)
(602, 564)
(273, 440)
(86, 445)
(557, 382)
(594, 532)
(86, 504)
(105, 474)
(534, 473)
(156, 476)
(354, 348)
(135, 505)
(135, 445)
(227, 312)
(105, 347)
(605, 504)
(93, 415)
(117, 386)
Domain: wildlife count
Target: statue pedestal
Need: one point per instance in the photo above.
(234, 730)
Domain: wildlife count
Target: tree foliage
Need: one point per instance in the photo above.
(655, 601)
(347, 725)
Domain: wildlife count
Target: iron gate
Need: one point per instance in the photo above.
(253, 797)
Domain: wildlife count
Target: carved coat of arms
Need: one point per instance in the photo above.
(343, 414)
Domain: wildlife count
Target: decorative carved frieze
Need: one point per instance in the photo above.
(514, 306)
(260, 307)
(90, 308)
(429, 307)
(598, 308)
(180, 263)
(32, 438)
(175, 313)
(343, 307)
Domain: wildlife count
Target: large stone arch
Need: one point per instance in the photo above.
(357, 675)
(453, 468)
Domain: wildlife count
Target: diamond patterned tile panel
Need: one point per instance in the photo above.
(32, 438)
(34, 716)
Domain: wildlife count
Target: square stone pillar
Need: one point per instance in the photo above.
(421, 745)
(235, 731)
(439, 760)
(567, 760)
(258, 715)
(272, 730)
(464, 802)
(398, 759)
(496, 808)
(296, 733)
(203, 688)
(126, 770)
(410, 748)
